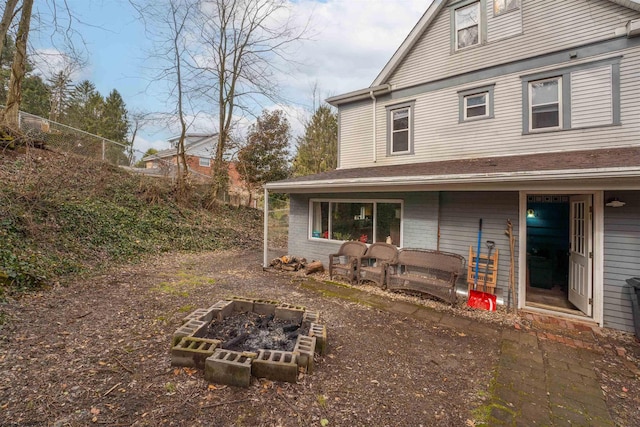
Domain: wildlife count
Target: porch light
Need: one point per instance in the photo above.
(615, 203)
(531, 213)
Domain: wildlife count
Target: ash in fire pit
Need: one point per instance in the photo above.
(252, 331)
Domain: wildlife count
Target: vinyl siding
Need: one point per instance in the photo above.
(621, 258)
(438, 135)
(504, 25)
(591, 97)
(459, 216)
(356, 134)
(547, 26)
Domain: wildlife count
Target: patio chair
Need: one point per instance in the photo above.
(373, 265)
(345, 262)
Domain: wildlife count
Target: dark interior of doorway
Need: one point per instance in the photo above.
(548, 252)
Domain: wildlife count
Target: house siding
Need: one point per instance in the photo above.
(592, 97)
(546, 26)
(356, 134)
(504, 25)
(439, 135)
(459, 216)
(621, 258)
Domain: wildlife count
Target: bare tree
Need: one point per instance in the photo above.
(7, 17)
(18, 68)
(244, 39)
(168, 23)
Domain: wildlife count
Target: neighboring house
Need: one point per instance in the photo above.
(200, 153)
(496, 110)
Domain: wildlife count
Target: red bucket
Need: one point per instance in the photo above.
(482, 300)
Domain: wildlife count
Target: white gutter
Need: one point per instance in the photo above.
(358, 95)
(265, 249)
(568, 174)
(375, 155)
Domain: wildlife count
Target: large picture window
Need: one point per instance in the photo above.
(367, 221)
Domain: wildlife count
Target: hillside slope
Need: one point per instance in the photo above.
(62, 215)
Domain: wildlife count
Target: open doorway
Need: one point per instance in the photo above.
(549, 236)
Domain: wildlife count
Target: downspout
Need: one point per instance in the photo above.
(375, 155)
(265, 249)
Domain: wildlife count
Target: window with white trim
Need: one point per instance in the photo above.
(476, 105)
(400, 130)
(545, 104)
(366, 220)
(205, 162)
(467, 25)
(503, 6)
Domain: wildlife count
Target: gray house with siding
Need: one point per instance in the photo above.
(497, 110)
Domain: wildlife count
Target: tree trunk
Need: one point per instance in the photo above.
(18, 68)
(7, 18)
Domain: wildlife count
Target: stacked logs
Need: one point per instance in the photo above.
(293, 263)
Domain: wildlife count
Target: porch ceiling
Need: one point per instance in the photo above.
(617, 168)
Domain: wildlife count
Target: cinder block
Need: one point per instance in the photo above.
(199, 314)
(320, 333)
(228, 367)
(290, 312)
(276, 365)
(221, 310)
(193, 328)
(310, 317)
(192, 352)
(241, 304)
(305, 348)
(265, 307)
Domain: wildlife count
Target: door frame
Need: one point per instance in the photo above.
(598, 254)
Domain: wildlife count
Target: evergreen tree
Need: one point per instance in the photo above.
(114, 120)
(85, 108)
(264, 158)
(317, 149)
(35, 96)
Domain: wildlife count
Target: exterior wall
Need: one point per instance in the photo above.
(194, 163)
(459, 216)
(621, 258)
(547, 26)
(419, 222)
(355, 137)
(439, 135)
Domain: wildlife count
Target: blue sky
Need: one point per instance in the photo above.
(351, 42)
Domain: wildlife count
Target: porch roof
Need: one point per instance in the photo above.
(616, 168)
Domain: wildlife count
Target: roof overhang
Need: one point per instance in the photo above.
(359, 95)
(592, 179)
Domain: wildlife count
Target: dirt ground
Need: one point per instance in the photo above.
(97, 352)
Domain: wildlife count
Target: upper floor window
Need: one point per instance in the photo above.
(545, 103)
(502, 6)
(400, 125)
(205, 162)
(476, 103)
(467, 25)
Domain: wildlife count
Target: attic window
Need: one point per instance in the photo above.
(467, 25)
(503, 6)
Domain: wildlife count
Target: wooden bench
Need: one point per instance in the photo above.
(426, 271)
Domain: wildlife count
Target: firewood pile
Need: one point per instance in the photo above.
(293, 263)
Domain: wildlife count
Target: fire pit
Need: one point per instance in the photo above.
(240, 337)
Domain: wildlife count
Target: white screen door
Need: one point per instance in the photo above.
(580, 253)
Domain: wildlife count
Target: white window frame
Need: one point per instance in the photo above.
(476, 4)
(559, 102)
(375, 215)
(409, 107)
(502, 6)
(201, 162)
(487, 102)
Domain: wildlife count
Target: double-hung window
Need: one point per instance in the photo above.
(205, 162)
(476, 103)
(400, 125)
(467, 25)
(545, 104)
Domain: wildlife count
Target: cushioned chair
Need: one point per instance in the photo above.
(373, 264)
(345, 262)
